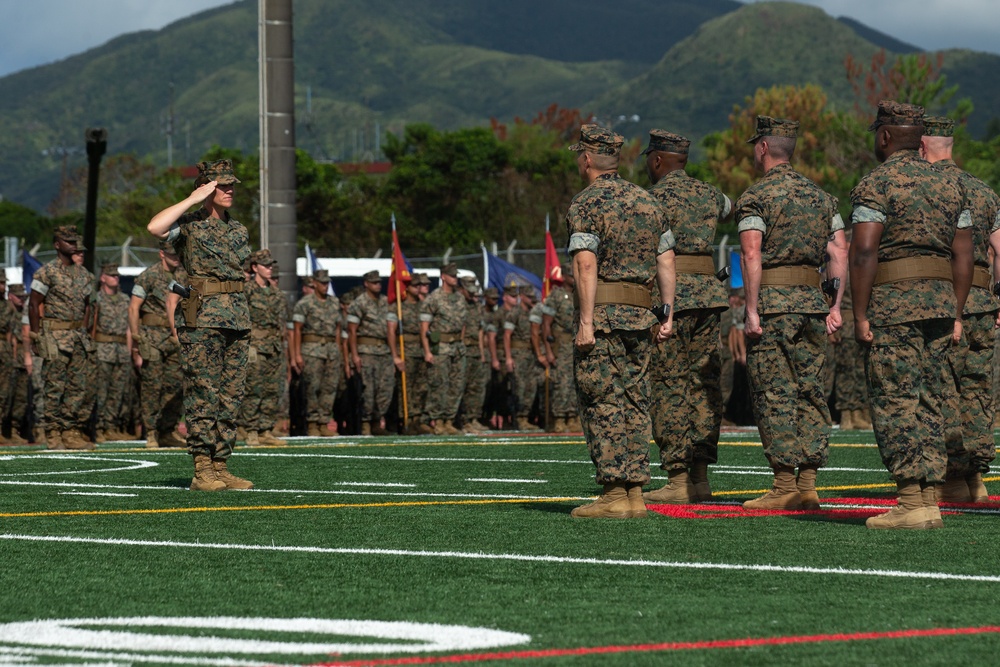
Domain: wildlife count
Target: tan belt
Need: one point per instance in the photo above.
(450, 338)
(788, 276)
(694, 264)
(263, 334)
(370, 340)
(913, 268)
(154, 320)
(411, 339)
(472, 342)
(622, 293)
(520, 345)
(61, 325)
(981, 277)
(108, 338)
(208, 286)
(317, 338)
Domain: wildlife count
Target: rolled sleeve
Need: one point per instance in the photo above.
(353, 319)
(426, 317)
(139, 292)
(667, 242)
(173, 233)
(752, 222)
(836, 223)
(299, 317)
(39, 287)
(965, 219)
(727, 206)
(584, 241)
(866, 214)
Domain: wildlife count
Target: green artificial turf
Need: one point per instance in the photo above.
(414, 495)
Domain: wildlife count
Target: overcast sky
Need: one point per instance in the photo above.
(37, 32)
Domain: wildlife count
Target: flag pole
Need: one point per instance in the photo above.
(399, 329)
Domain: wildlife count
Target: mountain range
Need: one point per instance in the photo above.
(366, 68)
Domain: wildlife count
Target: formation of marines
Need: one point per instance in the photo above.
(629, 345)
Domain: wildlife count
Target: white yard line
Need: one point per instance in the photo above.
(507, 481)
(527, 558)
(430, 459)
(95, 493)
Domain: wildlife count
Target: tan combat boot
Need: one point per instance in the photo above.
(847, 420)
(16, 439)
(241, 434)
(636, 506)
(171, 439)
(678, 491)
(806, 484)
(559, 426)
(613, 504)
(366, 428)
(862, 419)
(40, 438)
(205, 478)
(955, 490)
(230, 480)
(313, 430)
(251, 439)
(929, 497)
(151, 440)
(73, 439)
(53, 439)
(784, 495)
(377, 428)
(426, 429)
(326, 431)
(524, 425)
(268, 439)
(975, 482)
(908, 514)
(574, 424)
(100, 436)
(699, 481)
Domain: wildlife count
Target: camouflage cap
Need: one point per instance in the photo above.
(263, 257)
(469, 284)
(321, 276)
(274, 270)
(67, 233)
(450, 269)
(599, 140)
(661, 140)
(220, 171)
(420, 279)
(529, 291)
(775, 127)
(938, 126)
(891, 112)
(512, 289)
(110, 269)
(372, 277)
(17, 289)
(167, 247)
(491, 293)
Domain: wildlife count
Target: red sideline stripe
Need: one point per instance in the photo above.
(670, 646)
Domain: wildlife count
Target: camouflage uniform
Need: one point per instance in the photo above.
(973, 357)
(6, 355)
(378, 375)
(684, 377)
(64, 345)
(621, 224)
(526, 369)
(444, 314)
(786, 364)
(215, 343)
(17, 406)
(849, 372)
(114, 363)
(323, 371)
(268, 368)
(416, 367)
(562, 387)
(907, 367)
(477, 362)
(161, 378)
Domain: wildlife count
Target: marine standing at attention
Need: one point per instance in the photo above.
(215, 338)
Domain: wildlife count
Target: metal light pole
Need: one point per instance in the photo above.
(97, 144)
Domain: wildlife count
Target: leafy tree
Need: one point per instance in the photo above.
(24, 223)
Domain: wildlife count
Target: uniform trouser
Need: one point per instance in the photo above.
(262, 394)
(161, 385)
(68, 399)
(114, 382)
(446, 381)
(973, 364)
(786, 371)
(685, 400)
(526, 376)
(910, 382)
(849, 385)
(378, 379)
(19, 397)
(38, 390)
(416, 384)
(613, 395)
(477, 375)
(562, 387)
(6, 381)
(323, 378)
(215, 367)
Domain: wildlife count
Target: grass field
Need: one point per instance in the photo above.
(398, 551)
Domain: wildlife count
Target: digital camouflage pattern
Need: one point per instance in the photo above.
(918, 207)
(416, 367)
(891, 112)
(323, 362)
(849, 360)
(775, 127)
(214, 248)
(526, 368)
(378, 374)
(559, 306)
(621, 224)
(16, 404)
(215, 347)
(477, 362)
(267, 368)
(908, 366)
(113, 369)
(796, 218)
(668, 142)
(598, 140)
(161, 378)
(446, 376)
(9, 319)
(625, 252)
(66, 291)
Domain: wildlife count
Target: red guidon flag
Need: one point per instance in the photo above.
(553, 273)
(400, 276)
